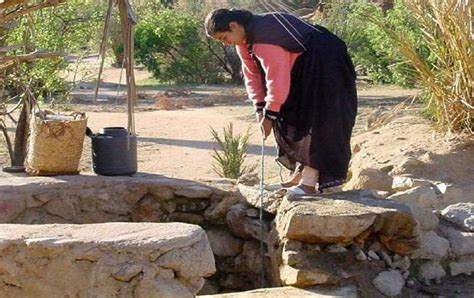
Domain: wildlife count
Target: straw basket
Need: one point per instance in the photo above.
(55, 143)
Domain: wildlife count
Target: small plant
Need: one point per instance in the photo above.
(231, 153)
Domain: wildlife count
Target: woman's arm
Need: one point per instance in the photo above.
(252, 77)
(277, 63)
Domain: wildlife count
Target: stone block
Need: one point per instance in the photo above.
(389, 282)
(433, 247)
(422, 196)
(340, 218)
(462, 243)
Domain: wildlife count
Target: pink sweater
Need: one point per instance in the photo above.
(277, 63)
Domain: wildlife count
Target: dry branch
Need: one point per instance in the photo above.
(26, 9)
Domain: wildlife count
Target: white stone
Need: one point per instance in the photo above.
(431, 270)
(462, 214)
(401, 183)
(402, 263)
(373, 255)
(462, 243)
(387, 259)
(360, 256)
(336, 248)
(389, 283)
(422, 196)
(432, 247)
(460, 266)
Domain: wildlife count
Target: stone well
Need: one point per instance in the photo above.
(308, 241)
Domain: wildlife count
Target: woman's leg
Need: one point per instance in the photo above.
(295, 179)
(309, 178)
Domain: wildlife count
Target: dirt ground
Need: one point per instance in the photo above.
(178, 142)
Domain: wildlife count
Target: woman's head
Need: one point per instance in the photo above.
(228, 26)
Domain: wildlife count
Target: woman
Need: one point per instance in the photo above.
(302, 83)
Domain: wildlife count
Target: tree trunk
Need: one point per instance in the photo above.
(21, 136)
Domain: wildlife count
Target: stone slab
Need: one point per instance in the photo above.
(100, 260)
(340, 218)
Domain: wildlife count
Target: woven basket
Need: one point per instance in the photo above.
(55, 143)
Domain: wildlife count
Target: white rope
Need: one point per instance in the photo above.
(262, 226)
(269, 7)
(263, 2)
(284, 18)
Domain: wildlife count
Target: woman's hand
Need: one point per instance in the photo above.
(266, 126)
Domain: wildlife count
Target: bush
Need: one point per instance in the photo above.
(368, 44)
(446, 73)
(232, 153)
(170, 45)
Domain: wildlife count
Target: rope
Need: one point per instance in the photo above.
(266, 6)
(103, 46)
(262, 226)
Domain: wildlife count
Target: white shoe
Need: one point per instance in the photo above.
(273, 187)
(297, 191)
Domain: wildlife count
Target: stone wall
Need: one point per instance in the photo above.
(380, 242)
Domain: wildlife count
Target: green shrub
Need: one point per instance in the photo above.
(231, 153)
(368, 44)
(171, 46)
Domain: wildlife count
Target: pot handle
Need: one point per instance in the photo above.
(89, 132)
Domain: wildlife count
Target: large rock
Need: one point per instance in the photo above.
(99, 260)
(422, 196)
(369, 179)
(389, 283)
(223, 243)
(342, 291)
(431, 270)
(426, 218)
(453, 193)
(401, 183)
(433, 247)
(253, 196)
(461, 214)
(463, 265)
(243, 226)
(462, 243)
(291, 276)
(342, 217)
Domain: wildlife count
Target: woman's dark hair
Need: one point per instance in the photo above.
(218, 20)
